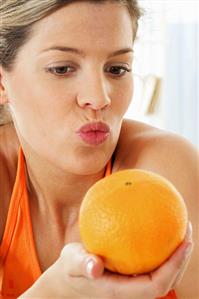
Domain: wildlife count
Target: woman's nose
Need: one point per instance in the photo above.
(94, 94)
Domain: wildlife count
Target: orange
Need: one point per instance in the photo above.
(133, 219)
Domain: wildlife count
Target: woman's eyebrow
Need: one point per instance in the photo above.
(81, 53)
(121, 51)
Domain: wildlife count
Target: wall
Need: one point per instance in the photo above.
(166, 57)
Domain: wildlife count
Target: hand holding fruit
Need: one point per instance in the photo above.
(80, 275)
(86, 275)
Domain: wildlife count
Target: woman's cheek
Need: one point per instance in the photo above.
(124, 96)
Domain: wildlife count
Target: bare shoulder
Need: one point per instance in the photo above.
(174, 157)
(8, 160)
(144, 146)
(137, 141)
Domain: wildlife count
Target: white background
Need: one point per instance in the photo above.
(166, 49)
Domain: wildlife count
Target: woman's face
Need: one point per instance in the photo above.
(69, 74)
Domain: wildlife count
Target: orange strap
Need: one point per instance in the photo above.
(170, 295)
(18, 260)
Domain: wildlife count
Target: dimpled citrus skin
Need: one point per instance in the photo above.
(133, 219)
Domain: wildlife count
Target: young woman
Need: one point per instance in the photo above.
(66, 74)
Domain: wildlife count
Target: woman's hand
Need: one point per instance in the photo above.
(80, 275)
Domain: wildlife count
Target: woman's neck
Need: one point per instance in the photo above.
(55, 190)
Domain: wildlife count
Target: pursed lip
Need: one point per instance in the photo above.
(94, 133)
(94, 126)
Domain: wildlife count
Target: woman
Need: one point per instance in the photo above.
(66, 76)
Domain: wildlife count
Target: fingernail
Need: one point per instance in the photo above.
(89, 267)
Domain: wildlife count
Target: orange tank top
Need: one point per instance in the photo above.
(19, 265)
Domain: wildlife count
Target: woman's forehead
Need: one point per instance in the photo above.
(85, 23)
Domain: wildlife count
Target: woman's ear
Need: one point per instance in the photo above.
(3, 94)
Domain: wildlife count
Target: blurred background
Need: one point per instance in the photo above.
(166, 65)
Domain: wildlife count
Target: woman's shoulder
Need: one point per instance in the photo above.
(136, 138)
(144, 146)
(9, 145)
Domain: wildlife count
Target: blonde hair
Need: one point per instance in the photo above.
(18, 16)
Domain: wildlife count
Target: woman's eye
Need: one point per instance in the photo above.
(60, 70)
(118, 70)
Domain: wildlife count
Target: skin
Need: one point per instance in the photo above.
(61, 104)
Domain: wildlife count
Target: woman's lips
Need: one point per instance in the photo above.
(94, 133)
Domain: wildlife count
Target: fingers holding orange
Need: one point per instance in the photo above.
(80, 263)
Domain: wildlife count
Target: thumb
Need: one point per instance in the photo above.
(78, 262)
